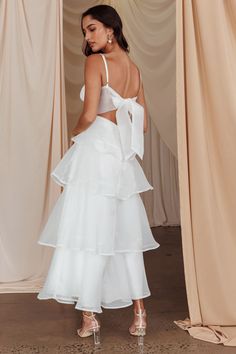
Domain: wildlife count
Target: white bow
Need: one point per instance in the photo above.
(131, 130)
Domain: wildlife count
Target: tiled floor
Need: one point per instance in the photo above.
(30, 326)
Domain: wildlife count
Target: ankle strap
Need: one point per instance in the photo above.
(140, 312)
(92, 315)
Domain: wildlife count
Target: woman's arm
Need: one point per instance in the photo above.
(92, 80)
(141, 100)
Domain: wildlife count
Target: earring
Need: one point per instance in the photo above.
(109, 40)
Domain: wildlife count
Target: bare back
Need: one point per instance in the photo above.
(124, 78)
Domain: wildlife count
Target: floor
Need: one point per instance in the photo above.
(30, 326)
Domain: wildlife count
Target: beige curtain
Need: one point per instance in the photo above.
(33, 135)
(206, 125)
(149, 27)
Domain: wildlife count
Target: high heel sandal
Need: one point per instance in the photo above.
(90, 326)
(138, 327)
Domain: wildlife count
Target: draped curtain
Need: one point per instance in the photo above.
(206, 126)
(33, 135)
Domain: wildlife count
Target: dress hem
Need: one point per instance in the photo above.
(63, 184)
(101, 254)
(72, 302)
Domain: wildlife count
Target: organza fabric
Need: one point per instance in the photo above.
(98, 226)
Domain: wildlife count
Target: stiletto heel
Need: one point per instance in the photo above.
(141, 332)
(96, 336)
(90, 326)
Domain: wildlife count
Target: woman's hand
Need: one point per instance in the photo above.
(73, 133)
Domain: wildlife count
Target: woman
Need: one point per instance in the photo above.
(99, 225)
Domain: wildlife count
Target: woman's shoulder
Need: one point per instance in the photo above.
(93, 62)
(124, 57)
(93, 58)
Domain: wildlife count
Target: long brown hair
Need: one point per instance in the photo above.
(110, 18)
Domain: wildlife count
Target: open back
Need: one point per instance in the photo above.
(107, 108)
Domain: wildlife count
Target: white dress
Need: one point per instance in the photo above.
(99, 226)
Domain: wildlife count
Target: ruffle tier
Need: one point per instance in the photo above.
(98, 226)
(93, 281)
(100, 209)
(82, 220)
(96, 162)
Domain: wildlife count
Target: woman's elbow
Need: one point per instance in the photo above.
(89, 116)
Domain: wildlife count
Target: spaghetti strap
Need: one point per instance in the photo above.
(105, 62)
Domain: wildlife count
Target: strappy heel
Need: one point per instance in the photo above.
(90, 326)
(138, 327)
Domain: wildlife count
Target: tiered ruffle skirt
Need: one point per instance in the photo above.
(98, 226)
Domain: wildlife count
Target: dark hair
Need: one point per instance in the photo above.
(110, 18)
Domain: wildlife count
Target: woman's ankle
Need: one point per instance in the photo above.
(87, 313)
(139, 305)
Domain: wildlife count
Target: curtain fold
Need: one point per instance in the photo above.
(33, 135)
(161, 169)
(206, 127)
